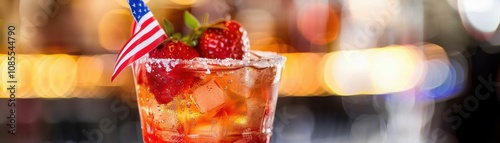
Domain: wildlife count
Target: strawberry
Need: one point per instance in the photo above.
(174, 50)
(230, 41)
(167, 84)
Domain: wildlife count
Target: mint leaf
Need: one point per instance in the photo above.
(169, 27)
(191, 21)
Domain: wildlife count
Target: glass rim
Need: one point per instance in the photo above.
(258, 59)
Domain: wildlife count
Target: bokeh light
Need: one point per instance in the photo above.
(437, 72)
(184, 2)
(124, 3)
(395, 69)
(287, 85)
(438, 67)
(3, 74)
(344, 72)
(62, 75)
(296, 81)
(484, 15)
(93, 70)
(363, 10)
(363, 24)
(272, 44)
(373, 71)
(114, 29)
(41, 76)
(59, 76)
(261, 35)
(318, 23)
(311, 80)
(24, 76)
(444, 76)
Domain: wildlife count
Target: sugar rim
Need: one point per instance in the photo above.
(258, 59)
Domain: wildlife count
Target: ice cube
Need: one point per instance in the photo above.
(239, 120)
(186, 111)
(236, 125)
(209, 97)
(212, 129)
(239, 82)
(210, 133)
(166, 119)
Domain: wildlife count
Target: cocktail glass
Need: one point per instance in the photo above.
(227, 101)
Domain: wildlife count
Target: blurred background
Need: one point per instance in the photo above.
(356, 71)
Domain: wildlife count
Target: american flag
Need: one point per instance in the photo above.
(147, 34)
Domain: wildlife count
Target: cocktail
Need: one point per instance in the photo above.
(225, 101)
(207, 86)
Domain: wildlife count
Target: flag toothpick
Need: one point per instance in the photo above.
(147, 34)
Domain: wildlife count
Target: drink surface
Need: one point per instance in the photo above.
(220, 106)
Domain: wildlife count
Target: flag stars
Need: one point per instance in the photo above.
(138, 9)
